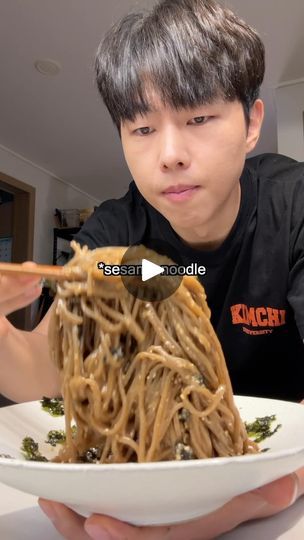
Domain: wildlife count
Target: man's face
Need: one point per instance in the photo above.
(187, 163)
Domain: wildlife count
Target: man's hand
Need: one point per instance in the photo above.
(26, 372)
(265, 501)
(16, 292)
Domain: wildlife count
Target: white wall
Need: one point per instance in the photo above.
(51, 193)
(290, 107)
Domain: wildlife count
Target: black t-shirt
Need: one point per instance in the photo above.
(254, 281)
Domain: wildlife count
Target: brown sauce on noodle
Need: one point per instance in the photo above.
(142, 381)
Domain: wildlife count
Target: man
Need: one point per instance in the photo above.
(181, 84)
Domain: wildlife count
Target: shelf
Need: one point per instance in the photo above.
(65, 233)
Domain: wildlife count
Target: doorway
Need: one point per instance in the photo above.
(17, 213)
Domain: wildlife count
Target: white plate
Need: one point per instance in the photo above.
(150, 493)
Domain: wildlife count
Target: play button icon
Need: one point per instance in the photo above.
(150, 270)
(149, 281)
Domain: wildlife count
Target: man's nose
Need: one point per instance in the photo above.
(174, 153)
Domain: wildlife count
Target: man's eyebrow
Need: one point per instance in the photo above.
(154, 109)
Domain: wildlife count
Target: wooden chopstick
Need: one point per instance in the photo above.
(43, 270)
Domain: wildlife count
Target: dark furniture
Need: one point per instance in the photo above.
(66, 233)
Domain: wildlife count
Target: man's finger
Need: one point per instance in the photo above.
(69, 524)
(225, 519)
(20, 301)
(300, 480)
(262, 502)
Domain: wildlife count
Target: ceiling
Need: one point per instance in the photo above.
(60, 123)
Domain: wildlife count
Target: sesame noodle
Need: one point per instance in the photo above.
(142, 381)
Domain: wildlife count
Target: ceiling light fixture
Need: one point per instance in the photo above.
(46, 66)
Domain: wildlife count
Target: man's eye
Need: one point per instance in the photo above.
(143, 131)
(198, 120)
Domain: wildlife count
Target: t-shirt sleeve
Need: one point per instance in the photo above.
(296, 274)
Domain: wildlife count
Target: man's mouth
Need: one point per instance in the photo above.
(180, 193)
(179, 188)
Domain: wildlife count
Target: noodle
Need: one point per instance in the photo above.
(142, 381)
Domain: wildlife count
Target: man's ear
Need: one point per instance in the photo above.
(256, 116)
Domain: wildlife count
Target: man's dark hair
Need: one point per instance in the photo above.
(191, 52)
